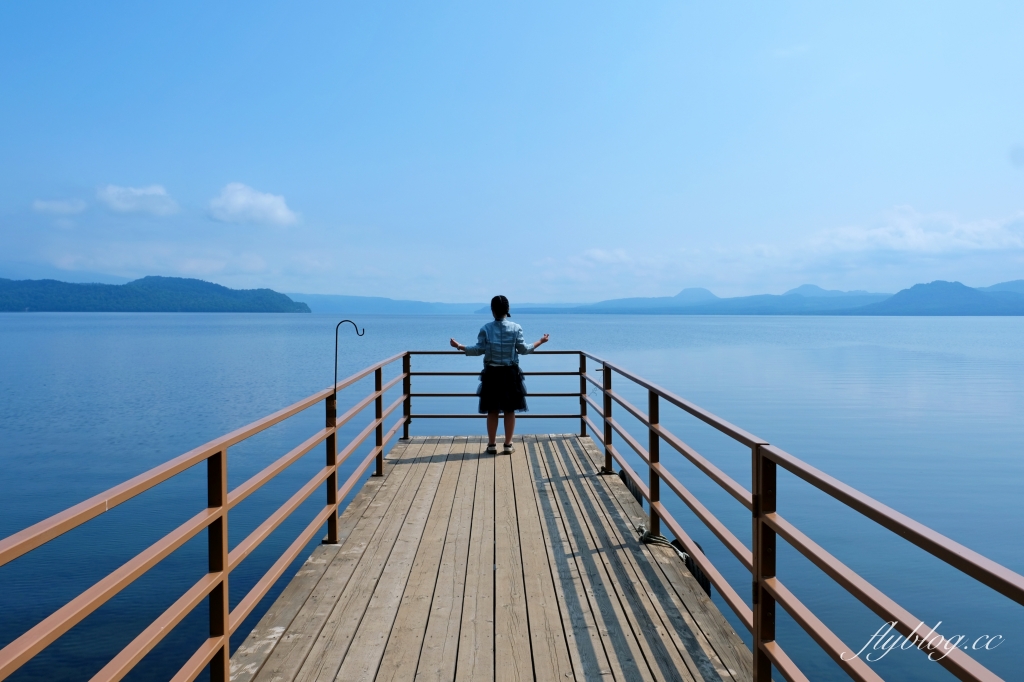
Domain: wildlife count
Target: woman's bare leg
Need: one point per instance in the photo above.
(510, 425)
(492, 427)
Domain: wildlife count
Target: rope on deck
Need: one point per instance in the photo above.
(647, 538)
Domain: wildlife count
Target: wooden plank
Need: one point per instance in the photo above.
(625, 658)
(441, 643)
(513, 658)
(464, 565)
(401, 654)
(253, 653)
(655, 637)
(586, 650)
(725, 649)
(374, 631)
(645, 615)
(476, 637)
(295, 645)
(547, 637)
(657, 596)
(259, 644)
(332, 643)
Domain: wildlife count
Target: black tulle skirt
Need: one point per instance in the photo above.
(502, 389)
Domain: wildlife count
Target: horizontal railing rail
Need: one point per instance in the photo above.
(599, 417)
(453, 394)
(767, 525)
(213, 586)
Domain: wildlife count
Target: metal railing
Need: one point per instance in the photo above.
(214, 652)
(759, 560)
(768, 525)
(525, 415)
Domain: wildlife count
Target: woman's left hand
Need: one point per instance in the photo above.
(455, 344)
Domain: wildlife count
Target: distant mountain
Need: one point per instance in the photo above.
(530, 307)
(1016, 286)
(786, 304)
(694, 295)
(175, 294)
(805, 300)
(376, 305)
(946, 298)
(686, 297)
(937, 298)
(146, 295)
(813, 291)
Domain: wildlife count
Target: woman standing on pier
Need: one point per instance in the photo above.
(502, 388)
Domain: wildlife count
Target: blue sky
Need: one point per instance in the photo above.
(550, 151)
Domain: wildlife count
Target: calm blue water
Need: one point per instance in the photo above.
(923, 414)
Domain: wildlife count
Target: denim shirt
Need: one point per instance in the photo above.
(501, 343)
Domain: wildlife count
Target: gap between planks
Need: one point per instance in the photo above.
(460, 565)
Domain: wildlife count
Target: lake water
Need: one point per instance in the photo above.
(923, 414)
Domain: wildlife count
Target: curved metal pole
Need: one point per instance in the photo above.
(334, 386)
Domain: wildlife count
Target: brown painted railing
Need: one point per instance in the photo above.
(759, 560)
(223, 621)
(768, 590)
(525, 415)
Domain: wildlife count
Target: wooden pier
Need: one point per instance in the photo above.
(449, 563)
(461, 565)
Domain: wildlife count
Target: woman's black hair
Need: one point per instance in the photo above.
(499, 307)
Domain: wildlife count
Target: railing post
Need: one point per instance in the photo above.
(407, 390)
(764, 561)
(583, 393)
(654, 450)
(217, 538)
(330, 422)
(378, 383)
(606, 383)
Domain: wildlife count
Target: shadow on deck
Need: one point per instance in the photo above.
(461, 565)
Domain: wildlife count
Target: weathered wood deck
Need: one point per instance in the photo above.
(460, 565)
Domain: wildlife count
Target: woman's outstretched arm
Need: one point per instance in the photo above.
(478, 349)
(521, 346)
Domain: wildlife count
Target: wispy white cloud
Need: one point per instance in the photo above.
(900, 248)
(607, 257)
(598, 273)
(240, 203)
(889, 252)
(153, 199)
(137, 259)
(907, 231)
(59, 206)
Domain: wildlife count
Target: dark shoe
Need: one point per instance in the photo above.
(492, 449)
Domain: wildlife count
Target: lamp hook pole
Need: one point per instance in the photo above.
(334, 386)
